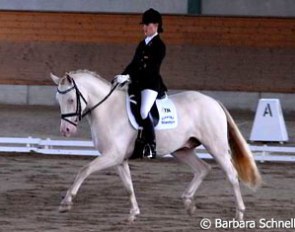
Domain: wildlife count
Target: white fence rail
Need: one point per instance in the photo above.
(86, 148)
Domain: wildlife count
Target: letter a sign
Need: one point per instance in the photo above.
(269, 124)
(267, 111)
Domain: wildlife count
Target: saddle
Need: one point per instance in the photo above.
(163, 113)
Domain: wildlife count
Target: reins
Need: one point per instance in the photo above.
(102, 101)
(78, 112)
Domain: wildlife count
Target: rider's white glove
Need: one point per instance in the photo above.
(121, 79)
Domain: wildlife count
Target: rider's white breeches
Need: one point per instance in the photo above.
(148, 97)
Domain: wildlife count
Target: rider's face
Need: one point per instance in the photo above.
(150, 29)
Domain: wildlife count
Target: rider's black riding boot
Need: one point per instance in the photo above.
(145, 144)
(139, 146)
(149, 135)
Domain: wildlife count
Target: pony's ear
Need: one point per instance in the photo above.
(55, 79)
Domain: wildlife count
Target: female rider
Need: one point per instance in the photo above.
(144, 71)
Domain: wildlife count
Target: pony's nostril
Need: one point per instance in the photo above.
(67, 129)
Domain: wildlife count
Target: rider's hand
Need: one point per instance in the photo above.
(121, 79)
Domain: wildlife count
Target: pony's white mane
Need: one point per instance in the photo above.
(80, 72)
(91, 73)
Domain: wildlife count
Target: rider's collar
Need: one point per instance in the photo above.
(149, 38)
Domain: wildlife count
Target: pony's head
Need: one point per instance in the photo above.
(71, 102)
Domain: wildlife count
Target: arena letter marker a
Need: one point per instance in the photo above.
(269, 124)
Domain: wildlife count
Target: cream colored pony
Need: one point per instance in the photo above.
(201, 120)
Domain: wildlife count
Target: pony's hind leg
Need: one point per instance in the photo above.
(124, 172)
(199, 168)
(224, 160)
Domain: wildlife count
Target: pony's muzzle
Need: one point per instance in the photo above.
(67, 129)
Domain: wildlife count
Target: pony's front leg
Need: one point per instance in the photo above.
(98, 164)
(124, 173)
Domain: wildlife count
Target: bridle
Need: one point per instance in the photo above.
(79, 114)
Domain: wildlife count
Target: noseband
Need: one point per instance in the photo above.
(79, 114)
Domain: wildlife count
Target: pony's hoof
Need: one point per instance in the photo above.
(63, 208)
(132, 216)
(240, 216)
(189, 206)
(191, 210)
(131, 219)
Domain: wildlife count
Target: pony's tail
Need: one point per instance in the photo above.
(242, 156)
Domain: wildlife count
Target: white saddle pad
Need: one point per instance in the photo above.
(167, 114)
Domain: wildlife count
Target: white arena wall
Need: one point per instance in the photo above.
(234, 100)
(128, 6)
(283, 8)
(279, 8)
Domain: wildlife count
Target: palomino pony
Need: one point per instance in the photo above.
(201, 120)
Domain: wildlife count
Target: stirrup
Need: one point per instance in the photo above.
(149, 151)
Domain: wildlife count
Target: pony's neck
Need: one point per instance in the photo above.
(94, 88)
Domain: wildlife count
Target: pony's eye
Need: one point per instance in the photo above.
(70, 100)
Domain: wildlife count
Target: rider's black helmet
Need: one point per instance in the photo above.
(152, 16)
